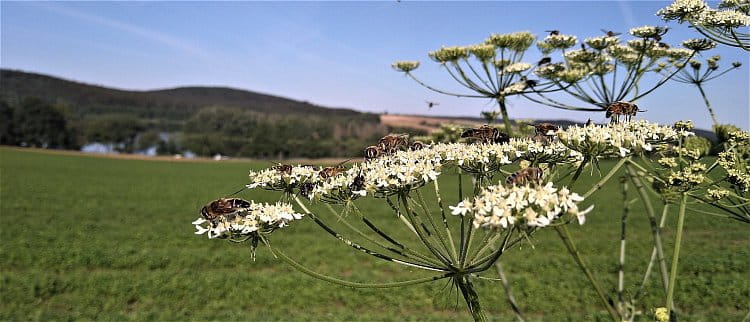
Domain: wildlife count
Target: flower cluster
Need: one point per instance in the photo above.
(549, 71)
(529, 206)
(723, 18)
(516, 68)
(618, 139)
(406, 170)
(736, 160)
(648, 31)
(515, 88)
(449, 54)
(483, 52)
(724, 25)
(553, 42)
(516, 41)
(699, 44)
(246, 223)
(603, 42)
(405, 66)
(687, 177)
(682, 9)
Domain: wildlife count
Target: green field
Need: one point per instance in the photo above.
(109, 239)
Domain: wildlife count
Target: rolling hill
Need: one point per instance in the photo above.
(175, 103)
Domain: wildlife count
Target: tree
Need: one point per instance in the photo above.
(39, 124)
(117, 130)
(6, 124)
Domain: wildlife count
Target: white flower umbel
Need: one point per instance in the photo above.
(600, 43)
(530, 206)
(723, 18)
(619, 139)
(559, 41)
(682, 9)
(516, 68)
(247, 223)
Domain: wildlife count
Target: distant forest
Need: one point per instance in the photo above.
(44, 111)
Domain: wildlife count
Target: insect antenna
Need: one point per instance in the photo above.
(238, 191)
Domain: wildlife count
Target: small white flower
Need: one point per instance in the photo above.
(200, 230)
(459, 209)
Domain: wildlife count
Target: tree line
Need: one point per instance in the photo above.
(234, 132)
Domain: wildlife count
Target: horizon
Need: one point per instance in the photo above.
(331, 58)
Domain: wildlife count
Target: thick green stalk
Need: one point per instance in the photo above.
(562, 231)
(708, 104)
(655, 229)
(623, 244)
(504, 113)
(471, 297)
(676, 253)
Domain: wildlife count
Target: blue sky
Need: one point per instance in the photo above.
(335, 54)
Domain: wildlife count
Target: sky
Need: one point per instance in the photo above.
(334, 54)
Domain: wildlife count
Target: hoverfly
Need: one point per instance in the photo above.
(525, 176)
(373, 152)
(486, 134)
(328, 172)
(431, 104)
(616, 109)
(393, 142)
(283, 168)
(545, 129)
(223, 207)
(553, 32)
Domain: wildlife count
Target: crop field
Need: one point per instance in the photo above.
(107, 239)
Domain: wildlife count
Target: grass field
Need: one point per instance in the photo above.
(107, 239)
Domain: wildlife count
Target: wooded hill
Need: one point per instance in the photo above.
(176, 103)
(205, 120)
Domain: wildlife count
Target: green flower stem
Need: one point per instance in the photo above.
(562, 231)
(708, 104)
(578, 172)
(401, 217)
(367, 237)
(504, 113)
(509, 292)
(278, 253)
(623, 244)
(385, 236)
(471, 297)
(606, 178)
(405, 202)
(441, 91)
(652, 260)
(445, 220)
(676, 253)
(434, 225)
(488, 258)
(359, 247)
(655, 230)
